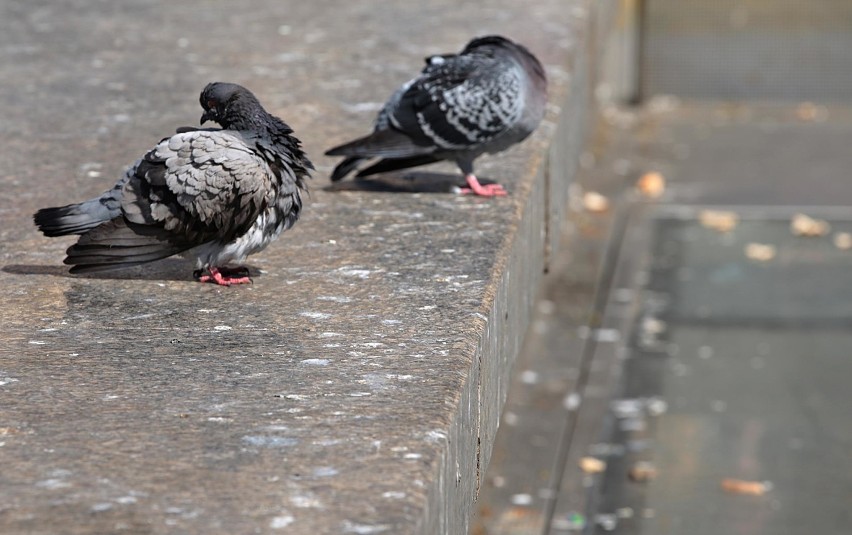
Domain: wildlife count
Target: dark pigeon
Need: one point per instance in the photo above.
(215, 195)
(485, 99)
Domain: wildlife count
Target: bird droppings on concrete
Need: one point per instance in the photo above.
(315, 362)
(325, 471)
(281, 521)
(334, 298)
(315, 315)
(363, 529)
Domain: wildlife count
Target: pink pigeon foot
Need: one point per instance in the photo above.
(226, 276)
(487, 190)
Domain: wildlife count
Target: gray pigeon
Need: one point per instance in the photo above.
(215, 195)
(485, 99)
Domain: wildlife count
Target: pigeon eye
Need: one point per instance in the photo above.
(211, 104)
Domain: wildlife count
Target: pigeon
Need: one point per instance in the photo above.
(485, 99)
(215, 195)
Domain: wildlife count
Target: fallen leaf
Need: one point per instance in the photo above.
(642, 472)
(595, 202)
(718, 220)
(651, 185)
(592, 465)
(843, 241)
(761, 252)
(808, 111)
(803, 225)
(741, 486)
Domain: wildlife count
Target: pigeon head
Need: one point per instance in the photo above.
(492, 45)
(488, 41)
(227, 104)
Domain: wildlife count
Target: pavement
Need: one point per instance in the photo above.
(686, 372)
(356, 386)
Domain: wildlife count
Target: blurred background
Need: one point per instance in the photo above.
(687, 363)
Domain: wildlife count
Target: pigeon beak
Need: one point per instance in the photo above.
(208, 115)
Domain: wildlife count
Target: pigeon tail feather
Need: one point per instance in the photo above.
(71, 219)
(384, 143)
(393, 164)
(349, 164)
(117, 244)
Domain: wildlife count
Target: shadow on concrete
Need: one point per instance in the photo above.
(412, 182)
(169, 269)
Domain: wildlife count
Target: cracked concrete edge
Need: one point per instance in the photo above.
(514, 280)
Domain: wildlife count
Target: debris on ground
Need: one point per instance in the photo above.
(592, 465)
(741, 486)
(607, 522)
(656, 406)
(624, 512)
(808, 111)
(642, 472)
(843, 241)
(570, 522)
(719, 220)
(595, 202)
(804, 225)
(761, 252)
(651, 185)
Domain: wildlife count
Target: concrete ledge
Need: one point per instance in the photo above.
(357, 385)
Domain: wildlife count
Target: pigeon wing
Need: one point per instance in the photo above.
(460, 102)
(192, 188)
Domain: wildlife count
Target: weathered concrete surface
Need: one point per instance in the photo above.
(356, 386)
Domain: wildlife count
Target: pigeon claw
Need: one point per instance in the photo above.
(225, 276)
(487, 190)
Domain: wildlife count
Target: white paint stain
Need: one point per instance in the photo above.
(329, 335)
(222, 328)
(7, 380)
(37, 342)
(394, 495)
(412, 456)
